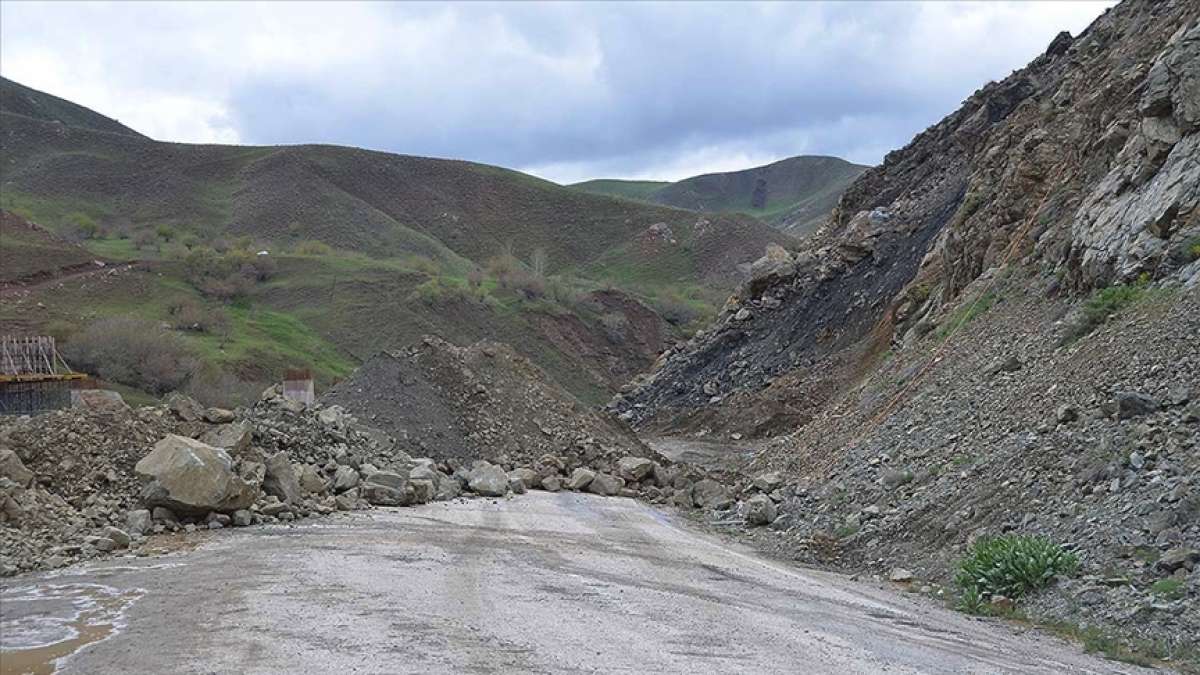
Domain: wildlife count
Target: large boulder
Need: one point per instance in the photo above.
(344, 478)
(580, 478)
(281, 479)
(709, 494)
(527, 477)
(634, 468)
(775, 266)
(386, 488)
(191, 477)
(312, 481)
(604, 484)
(184, 407)
(487, 479)
(234, 437)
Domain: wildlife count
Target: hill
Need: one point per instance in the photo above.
(365, 251)
(992, 333)
(18, 99)
(793, 194)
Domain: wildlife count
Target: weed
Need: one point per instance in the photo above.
(847, 530)
(1013, 565)
(1104, 303)
(967, 313)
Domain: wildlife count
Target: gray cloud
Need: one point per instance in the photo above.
(568, 91)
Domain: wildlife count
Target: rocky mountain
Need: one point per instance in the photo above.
(793, 194)
(18, 99)
(994, 332)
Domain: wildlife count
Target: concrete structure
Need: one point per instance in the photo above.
(33, 377)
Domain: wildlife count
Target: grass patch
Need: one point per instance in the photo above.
(1168, 589)
(967, 313)
(1011, 566)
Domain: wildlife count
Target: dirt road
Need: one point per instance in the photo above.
(544, 583)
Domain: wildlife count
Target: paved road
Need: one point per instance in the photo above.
(544, 583)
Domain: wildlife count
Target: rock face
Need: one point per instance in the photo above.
(1089, 188)
(188, 476)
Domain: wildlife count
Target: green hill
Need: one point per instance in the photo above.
(793, 194)
(21, 100)
(368, 250)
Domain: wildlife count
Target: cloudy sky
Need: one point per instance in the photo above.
(565, 91)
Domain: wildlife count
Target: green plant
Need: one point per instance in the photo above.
(971, 601)
(1104, 303)
(967, 313)
(312, 247)
(1013, 565)
(1193, 249)
(1168, 589)
(846, 530)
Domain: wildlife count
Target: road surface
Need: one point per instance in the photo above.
(542, 583)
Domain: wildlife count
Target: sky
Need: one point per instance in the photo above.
(564, 91)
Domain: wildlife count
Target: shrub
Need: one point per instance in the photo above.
(1168, 589)
(424, 265)
(190, 315)
(677, 311)
(165, 232)
(312, 247)
(1193, 249)
(133, 352)
(144, 239)
(1011, 566)
(212, 385)
(84, 226)
(1103, 303)
(475, 277)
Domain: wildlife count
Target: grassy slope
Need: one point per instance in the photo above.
(799, 191)
(22, 100)
(383, 215)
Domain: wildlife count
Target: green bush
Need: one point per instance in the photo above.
(1168, 589)
(1011, 566)
(1104, 303)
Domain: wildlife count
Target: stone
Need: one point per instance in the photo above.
(234, 437)
(1009, 364)
(347, 501)
(99, 400)
(275, 509)
(1065, 414)
(709, 494)
(900, 575)
(1178, 558)
(333, 416)
(743, 314)
(102, 544)
(184, 407)
(312, 481)
(682, 499)
(487, 479)
(1002, 604)
(384, 495)
(528, 478)
(118, 536)
(516, 485)
(634, 468)
(242, 518)
(776, 265)
(344, 478)
(138, 521)
(1132, 404)
(552, 483)
(891, 479)
(281, 479)
(580, 478)
(164, 515)
(389, 479)
(760, 510)
(604, 484)
(424, 490)
(220, 518)
(12, 468)
(769, 482)
(219, 415)
(188, 476)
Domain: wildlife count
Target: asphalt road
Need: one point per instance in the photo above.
(544, 583)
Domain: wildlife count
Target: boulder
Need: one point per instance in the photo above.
(347, 501)
(709, 494)
(12, 468)
(184, 407)
(682, 499)
(188, 476)
(1178, 558)
(99, 400)
(424, 490)
(760, 510)
(527, 477)
(333, 416)
(1131, 404)
(769, 482)
(219, 415)
(448, 487)
(160, 514)
(634, 468)
(580, 478)
(280, 479)
(389, 479)
(552, 483)
(344, 478)
(312, 481)
(487, 479)
(385, 495)
(138, 521)
(242, 518)
(775, 266)
(900, 575)
(234, 437)
(118, 536)
(516, 485)
(604, 484)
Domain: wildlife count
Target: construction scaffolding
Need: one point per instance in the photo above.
(33, 377)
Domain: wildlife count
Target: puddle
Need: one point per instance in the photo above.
(40, 625)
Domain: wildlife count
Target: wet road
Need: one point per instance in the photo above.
(545, 583)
